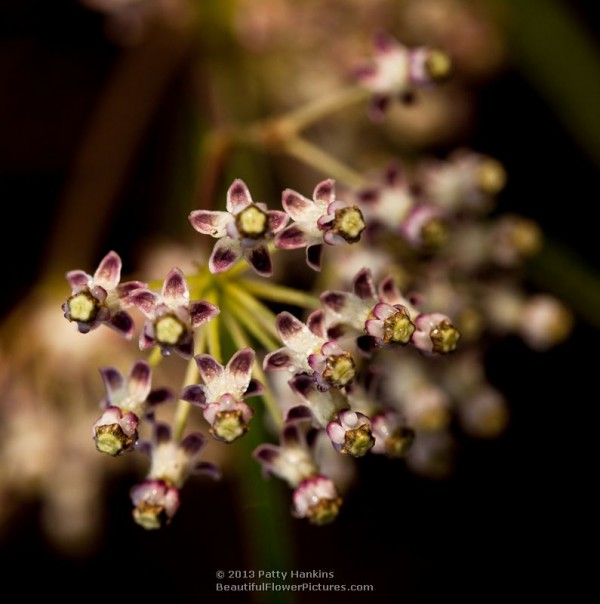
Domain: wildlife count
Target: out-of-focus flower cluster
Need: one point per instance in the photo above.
(412, 278)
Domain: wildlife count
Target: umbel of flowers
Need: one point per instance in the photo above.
(372, 368)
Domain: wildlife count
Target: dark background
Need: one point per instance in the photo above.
(502, 527)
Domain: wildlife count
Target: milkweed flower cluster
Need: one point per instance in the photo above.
(413, 275)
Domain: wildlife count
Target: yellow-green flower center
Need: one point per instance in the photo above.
(252, 222)
(399, 442)
(83, 307)
(434, 234)
(324, 511)
(229, 425)
(349, 223)
(444, 337)
(358, 442)
(169, 330)
(438, 65)
(340, 369)
(398, 328)
(111, 439)
(490, 176)
(150, 516)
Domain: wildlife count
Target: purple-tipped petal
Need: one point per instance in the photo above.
(158, 396)
(278, 361)
(146, 337)
(201, 312)
(186, 349)
(267, 455)
(291, 238)
(291, 435)
(337, 331)
(143, 446)
(139, 380)
(277, 220)
(238, 197)
(366, 345)
(108, 273)
(260, 260)
(299, 413)
(289, 327)
(225, 254)
(316, 322)
(384, 43)
(192, 443)
(162, 433)
(369, 196)
(124, 289)
(255, 388)
(194, 394)
(113, 380)
(175, 290)
(303, 385)
(377, 107)
(314, 254)
(144, 300)
(335, 301)
(364, 287)
(240, 367)
(208, 468)
(325, 191)
(393, 175)
(209, 369)
(78, 279)
(296, 205)
(210, 223)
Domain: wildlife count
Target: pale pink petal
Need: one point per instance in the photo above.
(209, 368)
(291, 238)
(139, 380)
(279, 360)
(145, 300)
(175, 290)
(240, 368)
(296, 205)
(210, 223)
(277, 220)
(195, 395)
(238, 197)
(325, 191)
(259, 259)
(108, 273)
(113, 381)
(122, 323)
(78, 279)
(363, 284)
(316, 322)
(314, 254)
(201, 312)
(224, 255)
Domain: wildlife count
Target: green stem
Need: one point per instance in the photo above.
(241, 342)
(191, 377)
(322, 161)
(251, 327)
(214, 342)
(280, 293)
(303, 117)
(261, 312)
(155, 357)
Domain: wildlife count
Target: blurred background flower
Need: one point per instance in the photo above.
(112, 114)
